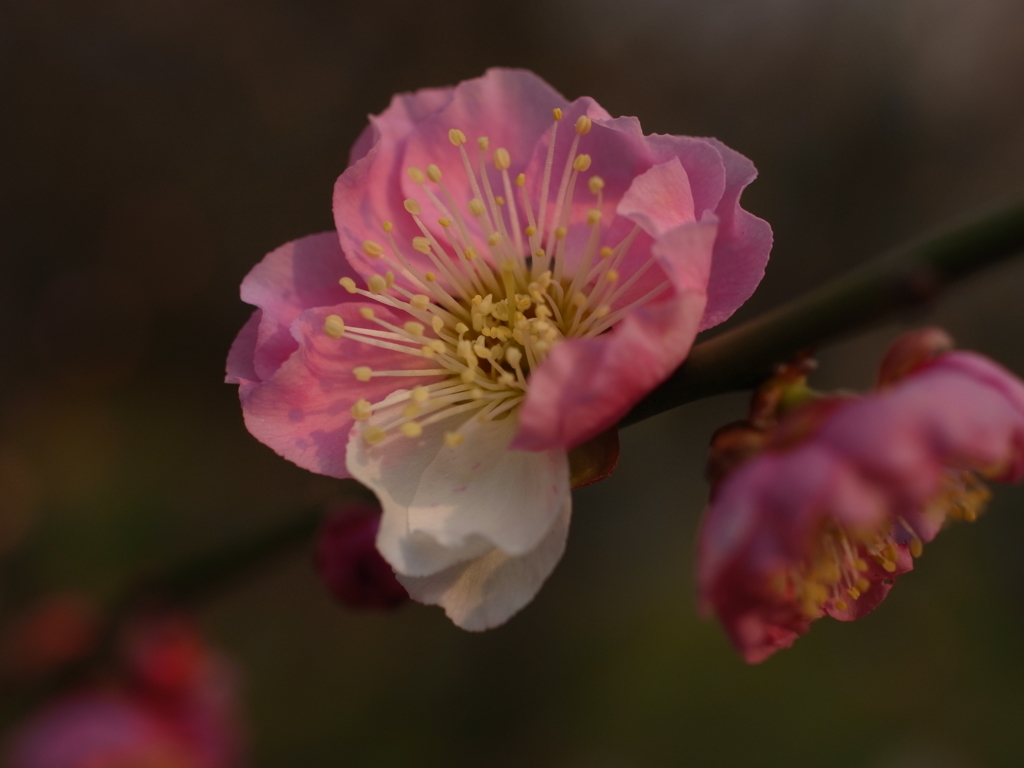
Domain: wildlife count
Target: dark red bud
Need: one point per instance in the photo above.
(347, 560)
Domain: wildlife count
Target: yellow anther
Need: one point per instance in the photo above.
(539, 253)
(348, 284)
(430, 277)
(437, 345)
(476, 393)
(453, 439)
(514, 356)
(389, 278)
(853, 592)
(581, 163)
(461, 328)
(433, 173)
(596, 184)
(560, 233)
(605, 252)
(377, 284)
(499, 199)
(520, 179)
(363, 373)
(416, 329)
(531, 231)
(456, 137)
(860, 564)
(483, 142)
(557, 113)
(412, 206)
(611, 275)
(427, 351)
(888, 566)
(366, 312)
(421, 244)
(373, 435)
(470, 253)
(593, 217)
(334, 326)
(420, 302)
(411, 411)
(916, 547)
(502, 159)
(436, 323)
(362, 410)
(416, 175)
(387, 226)
(420, 395)
(601, 311)
(445, 222)
(862, 584)
(476, 206)
(583, 125)
(578, 299)
(493, 239)
(524, 302)
(372, 249)
(467, 376)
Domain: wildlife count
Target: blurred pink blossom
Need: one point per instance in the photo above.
(348, 561)
(847, 490)
(532, 268)
(171, 705)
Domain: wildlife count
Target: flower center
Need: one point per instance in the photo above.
(841, 563)
(500, 294)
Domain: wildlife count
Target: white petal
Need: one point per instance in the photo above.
(487, 591)
(444, 505)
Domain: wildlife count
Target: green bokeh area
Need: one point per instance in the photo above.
(155, 150)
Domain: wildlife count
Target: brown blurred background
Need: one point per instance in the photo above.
(154, 150)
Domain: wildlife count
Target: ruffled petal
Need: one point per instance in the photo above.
(240, 367)
(587, 385)
(485, 592)
(743, 245)
(297, 276)
(303, 410)
(447, 505)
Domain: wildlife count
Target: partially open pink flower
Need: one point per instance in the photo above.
(172, 705)
(532, 268)
(350, 565)
(848, 490)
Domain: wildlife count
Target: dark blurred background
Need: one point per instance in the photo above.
(154, 150)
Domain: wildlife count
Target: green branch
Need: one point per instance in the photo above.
(908, 277)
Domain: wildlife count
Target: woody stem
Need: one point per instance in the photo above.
(902, 280)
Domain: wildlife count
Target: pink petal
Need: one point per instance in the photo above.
(659, 199)
(303, 410)
(587, 385)
(743, 245)
(240, 367)
(297, 276)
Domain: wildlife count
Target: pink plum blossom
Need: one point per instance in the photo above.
(171, 706)
(516, 271)
(845, 491)
(350, 565)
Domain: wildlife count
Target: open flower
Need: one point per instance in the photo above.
(516, 272)
(848, 490)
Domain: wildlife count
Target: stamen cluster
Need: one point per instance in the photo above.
(500, 295)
